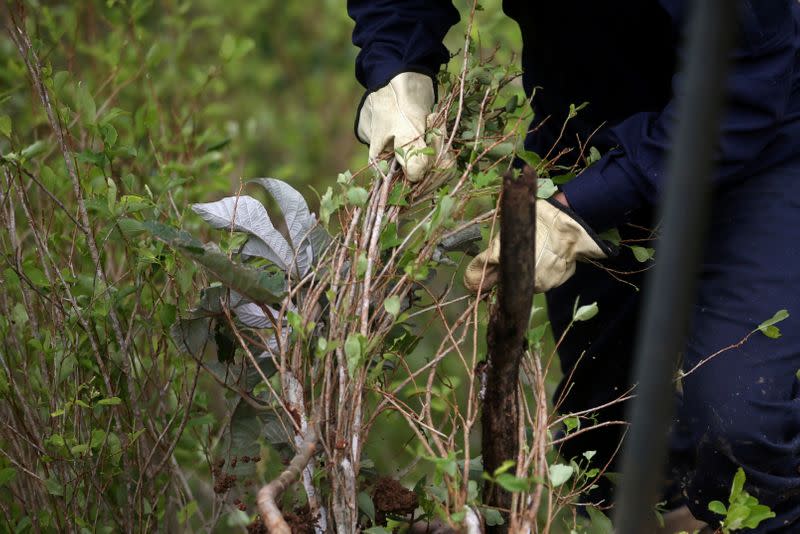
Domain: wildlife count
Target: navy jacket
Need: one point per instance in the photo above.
(621, 56)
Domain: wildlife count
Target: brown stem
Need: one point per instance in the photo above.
(267, 507)
(506, 333)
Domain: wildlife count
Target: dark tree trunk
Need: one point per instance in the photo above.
(506, 335)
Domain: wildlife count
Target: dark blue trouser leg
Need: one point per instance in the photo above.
(741, 408)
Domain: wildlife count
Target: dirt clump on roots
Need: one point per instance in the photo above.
(391, 498)
(300, 520)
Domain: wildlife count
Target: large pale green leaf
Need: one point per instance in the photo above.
(246, 214)
(299, 220)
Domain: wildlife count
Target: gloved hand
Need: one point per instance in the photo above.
(562, 238)
(395, 116)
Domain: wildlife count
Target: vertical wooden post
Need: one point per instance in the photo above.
(506, 334)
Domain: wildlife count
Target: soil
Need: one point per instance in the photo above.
(390, 497)
(300, 521)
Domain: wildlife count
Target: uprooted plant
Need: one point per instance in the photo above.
(314, 329)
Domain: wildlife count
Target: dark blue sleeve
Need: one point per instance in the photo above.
(399, 36)
(759, 91)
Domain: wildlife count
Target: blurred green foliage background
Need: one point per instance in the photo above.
(275, 80)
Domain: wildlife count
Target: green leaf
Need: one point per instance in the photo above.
(98, 159)
(36, 276)
(738, 484)
(357, 196)
(486, 179)
(19, 315)
(767, 327)
(536, 334)
(612, 236)
(458, 517)
(296, 322)
(192, 336)
(593, 157)
(110, 401)
(441, 215)
(361, 264)
(718, 508)
(167, 314)
(643, 254)
(54, 487)
(79, 449)
(560, 473)
(33, 150)
(98, 437)
(584, 313)
(772, 332)
(572, 423)
(737, 514)
(55, 440)
(573, 109)
(366, 505)
(758, 513)
(389, 238)
(245, 45)
(248, 427)
(85, 103)
(546, 188)
(512, 483)
(201, 420)
(5, 125)
(562, 179)
(353, 352)
(502, 150)
(322, 346)
(504, 467)
(344, 178)
(601, 524)
(492, 516)
(111, 194)
(398, 194)
(328, 204)
(228, 47)
(109, 134)
(7, 474)
(186, 513)
(511, 104)
(392, 305)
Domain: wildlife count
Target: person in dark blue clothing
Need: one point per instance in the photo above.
(742, 407)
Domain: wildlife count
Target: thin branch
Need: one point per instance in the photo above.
(267, 495)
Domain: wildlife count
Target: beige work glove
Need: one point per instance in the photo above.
(561, 240)
(396, 116)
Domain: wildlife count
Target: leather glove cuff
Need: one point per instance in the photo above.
(368, 92)
(562, 239)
